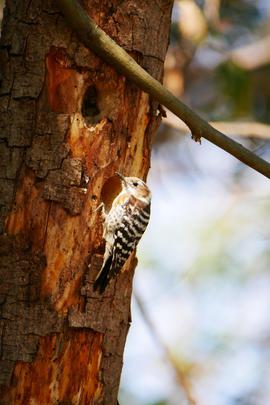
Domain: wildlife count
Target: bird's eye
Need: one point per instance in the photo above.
(135, 183)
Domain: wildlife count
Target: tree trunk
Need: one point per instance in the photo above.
(68, 122)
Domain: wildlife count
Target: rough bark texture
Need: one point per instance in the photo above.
(68, 122)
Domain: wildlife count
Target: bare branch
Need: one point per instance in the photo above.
(180, 376)
(98, 41)
(243, 129)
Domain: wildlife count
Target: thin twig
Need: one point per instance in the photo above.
(180, 376)
(243, 129)
(98, 41)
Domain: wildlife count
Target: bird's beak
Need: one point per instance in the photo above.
(121, 177)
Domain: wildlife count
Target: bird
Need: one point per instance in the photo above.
(123, 227)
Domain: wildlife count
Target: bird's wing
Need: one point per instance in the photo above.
(129, 226)
(127, 236)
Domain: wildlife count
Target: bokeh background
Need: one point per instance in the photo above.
(200, 332)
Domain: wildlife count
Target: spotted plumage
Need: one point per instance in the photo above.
(123, 228)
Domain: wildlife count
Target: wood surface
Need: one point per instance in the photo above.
(68, 122)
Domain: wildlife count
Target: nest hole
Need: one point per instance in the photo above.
(90, 109)
(110, 190)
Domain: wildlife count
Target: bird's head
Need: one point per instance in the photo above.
(136, 187)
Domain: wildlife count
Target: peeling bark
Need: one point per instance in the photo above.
(68, 122)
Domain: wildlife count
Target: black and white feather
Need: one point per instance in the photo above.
(123, 228)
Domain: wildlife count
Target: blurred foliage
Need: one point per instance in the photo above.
(235, 85)
(227, 91)
(241, 13)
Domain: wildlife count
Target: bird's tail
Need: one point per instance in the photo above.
(103, 276)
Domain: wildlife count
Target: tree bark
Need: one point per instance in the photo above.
(68, 122)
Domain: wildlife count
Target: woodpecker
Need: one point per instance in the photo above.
(123, 227)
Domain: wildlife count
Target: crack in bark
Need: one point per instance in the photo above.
(24, 317)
